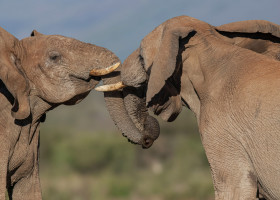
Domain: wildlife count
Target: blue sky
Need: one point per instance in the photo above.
(119, 25)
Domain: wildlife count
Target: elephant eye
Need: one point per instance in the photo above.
(54, 56)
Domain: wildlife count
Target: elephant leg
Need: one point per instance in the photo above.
(233, 181)
(4, 157)
(27, 188)
(233, 175)
(3, 171)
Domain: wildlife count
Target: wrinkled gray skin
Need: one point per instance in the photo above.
(50, 70)
(233, 91)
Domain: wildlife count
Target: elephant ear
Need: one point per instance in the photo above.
(164, 63)
(35, 33)
(12, 75)
(251, 26)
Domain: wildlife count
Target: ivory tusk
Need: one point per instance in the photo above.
(110, 87)
(107, 70)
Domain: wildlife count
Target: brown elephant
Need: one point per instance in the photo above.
(50, 70)
(233, 92)
(257, 35)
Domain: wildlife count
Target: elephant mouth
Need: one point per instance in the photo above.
(158, 109)
(105, 71)
(87, 81)
(163, 111)
(85, 78)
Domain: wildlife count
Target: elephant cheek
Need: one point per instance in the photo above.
(76, 99)
(132, 72)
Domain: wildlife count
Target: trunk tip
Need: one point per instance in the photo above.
(147, 142)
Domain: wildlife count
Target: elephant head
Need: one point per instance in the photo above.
(153, 69)
(257, 35)
(62, 70)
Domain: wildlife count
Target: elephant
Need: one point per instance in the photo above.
(50, 70)
(260, 36)
(232, 90)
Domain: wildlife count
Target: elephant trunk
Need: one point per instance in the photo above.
(139, 129)
(135, 104)
(115, 106)
(134, 132)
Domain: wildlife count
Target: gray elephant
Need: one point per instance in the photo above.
(50, 70)
(233, 92)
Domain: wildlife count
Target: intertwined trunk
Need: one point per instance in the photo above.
(140, 129)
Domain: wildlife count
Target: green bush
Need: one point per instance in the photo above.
(103, 165)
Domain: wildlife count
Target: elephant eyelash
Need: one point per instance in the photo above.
(54, 56)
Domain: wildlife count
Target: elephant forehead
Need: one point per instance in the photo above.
(62, 42)
(150, 46)
(186, 21)
(76, 49)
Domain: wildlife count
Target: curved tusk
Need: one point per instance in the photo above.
(110, 87)
(107, 70)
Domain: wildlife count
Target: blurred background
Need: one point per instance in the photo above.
(83, 155)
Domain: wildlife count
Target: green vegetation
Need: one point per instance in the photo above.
(91, 163)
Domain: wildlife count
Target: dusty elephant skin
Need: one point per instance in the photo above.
(10, 74)
(232, 89)
(38, 74)
(257, 35)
